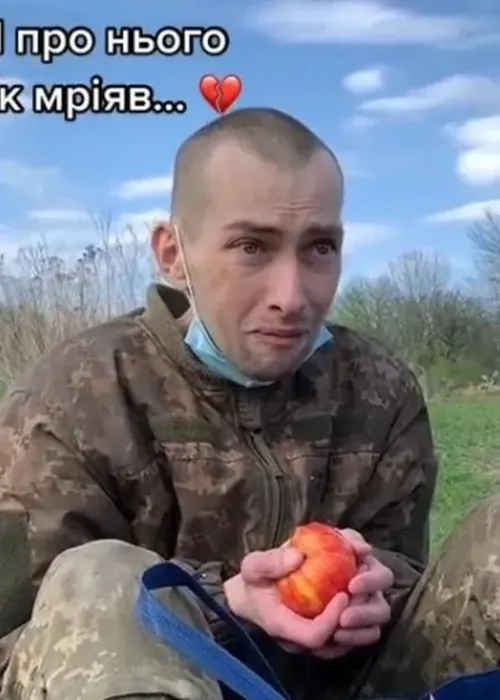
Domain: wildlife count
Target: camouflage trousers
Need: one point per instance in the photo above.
(83, 641)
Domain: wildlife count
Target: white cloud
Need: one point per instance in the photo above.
(49, 238)
(454, 91)
(123, 227)
(76, 216)
(483, 132)
(59, 215)
(139, 225)
(363, 234)
(35, 182)
(365, 81)
(371, 22)
(66, 232)
(359, 122)
(143, 218)
(479, 167)
(478, 162)
(468, 213)
(144, 188)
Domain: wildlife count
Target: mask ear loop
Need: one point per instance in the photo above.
(190, 290)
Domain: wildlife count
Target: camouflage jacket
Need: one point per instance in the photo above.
(120, 433)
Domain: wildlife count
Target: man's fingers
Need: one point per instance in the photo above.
(334, 651)
(259, 567)
(372, 614)
(309, 634)
(377, 578)
(357, 638)
(359, 600)
(328, 652)
(360, 545)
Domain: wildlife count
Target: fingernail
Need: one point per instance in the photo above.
(342, 599)
(291, 557)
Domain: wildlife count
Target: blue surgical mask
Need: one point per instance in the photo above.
(198, 339)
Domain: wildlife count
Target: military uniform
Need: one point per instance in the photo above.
(119, 449)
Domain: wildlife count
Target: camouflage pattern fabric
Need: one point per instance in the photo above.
(121, 434)
(83, 640)
(451, 624)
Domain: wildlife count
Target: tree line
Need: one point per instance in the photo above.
(448, 332)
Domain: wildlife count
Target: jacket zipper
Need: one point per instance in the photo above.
(276, 478)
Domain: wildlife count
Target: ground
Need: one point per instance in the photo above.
(467, 437)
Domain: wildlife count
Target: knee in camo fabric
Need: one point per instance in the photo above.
(451, 624)
(83, 640)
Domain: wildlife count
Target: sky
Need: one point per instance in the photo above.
(407, 94)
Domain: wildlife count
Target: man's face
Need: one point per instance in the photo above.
(264, 262)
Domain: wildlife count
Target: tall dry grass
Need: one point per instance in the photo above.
(46, 297)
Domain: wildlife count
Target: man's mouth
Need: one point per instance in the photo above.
(281, 337)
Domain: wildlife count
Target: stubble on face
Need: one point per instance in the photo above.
(261, 258)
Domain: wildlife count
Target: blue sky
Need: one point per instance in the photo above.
(407, 95)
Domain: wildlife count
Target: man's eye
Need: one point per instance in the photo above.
(325, 247)
(251, 247)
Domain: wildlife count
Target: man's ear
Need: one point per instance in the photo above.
(165, 248)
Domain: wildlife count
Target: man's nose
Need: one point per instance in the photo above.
(286, 290)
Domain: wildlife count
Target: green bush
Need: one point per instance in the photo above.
(445, 375)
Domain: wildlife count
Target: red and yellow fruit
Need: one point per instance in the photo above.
(329, 565)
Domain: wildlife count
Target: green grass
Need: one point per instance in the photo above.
(467, 439)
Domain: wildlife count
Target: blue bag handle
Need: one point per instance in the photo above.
(472, 687)
(220, 665)
(205, 653)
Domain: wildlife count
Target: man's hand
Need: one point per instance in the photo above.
(361, 623)
(253, 596)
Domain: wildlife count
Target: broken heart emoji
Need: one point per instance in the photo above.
(220, 94)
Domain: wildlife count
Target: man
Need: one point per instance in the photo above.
(203, 431)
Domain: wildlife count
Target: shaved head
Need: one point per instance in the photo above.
(273, 136)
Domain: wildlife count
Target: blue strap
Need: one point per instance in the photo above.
(217, 663)
(473, 687)
(206, 654)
